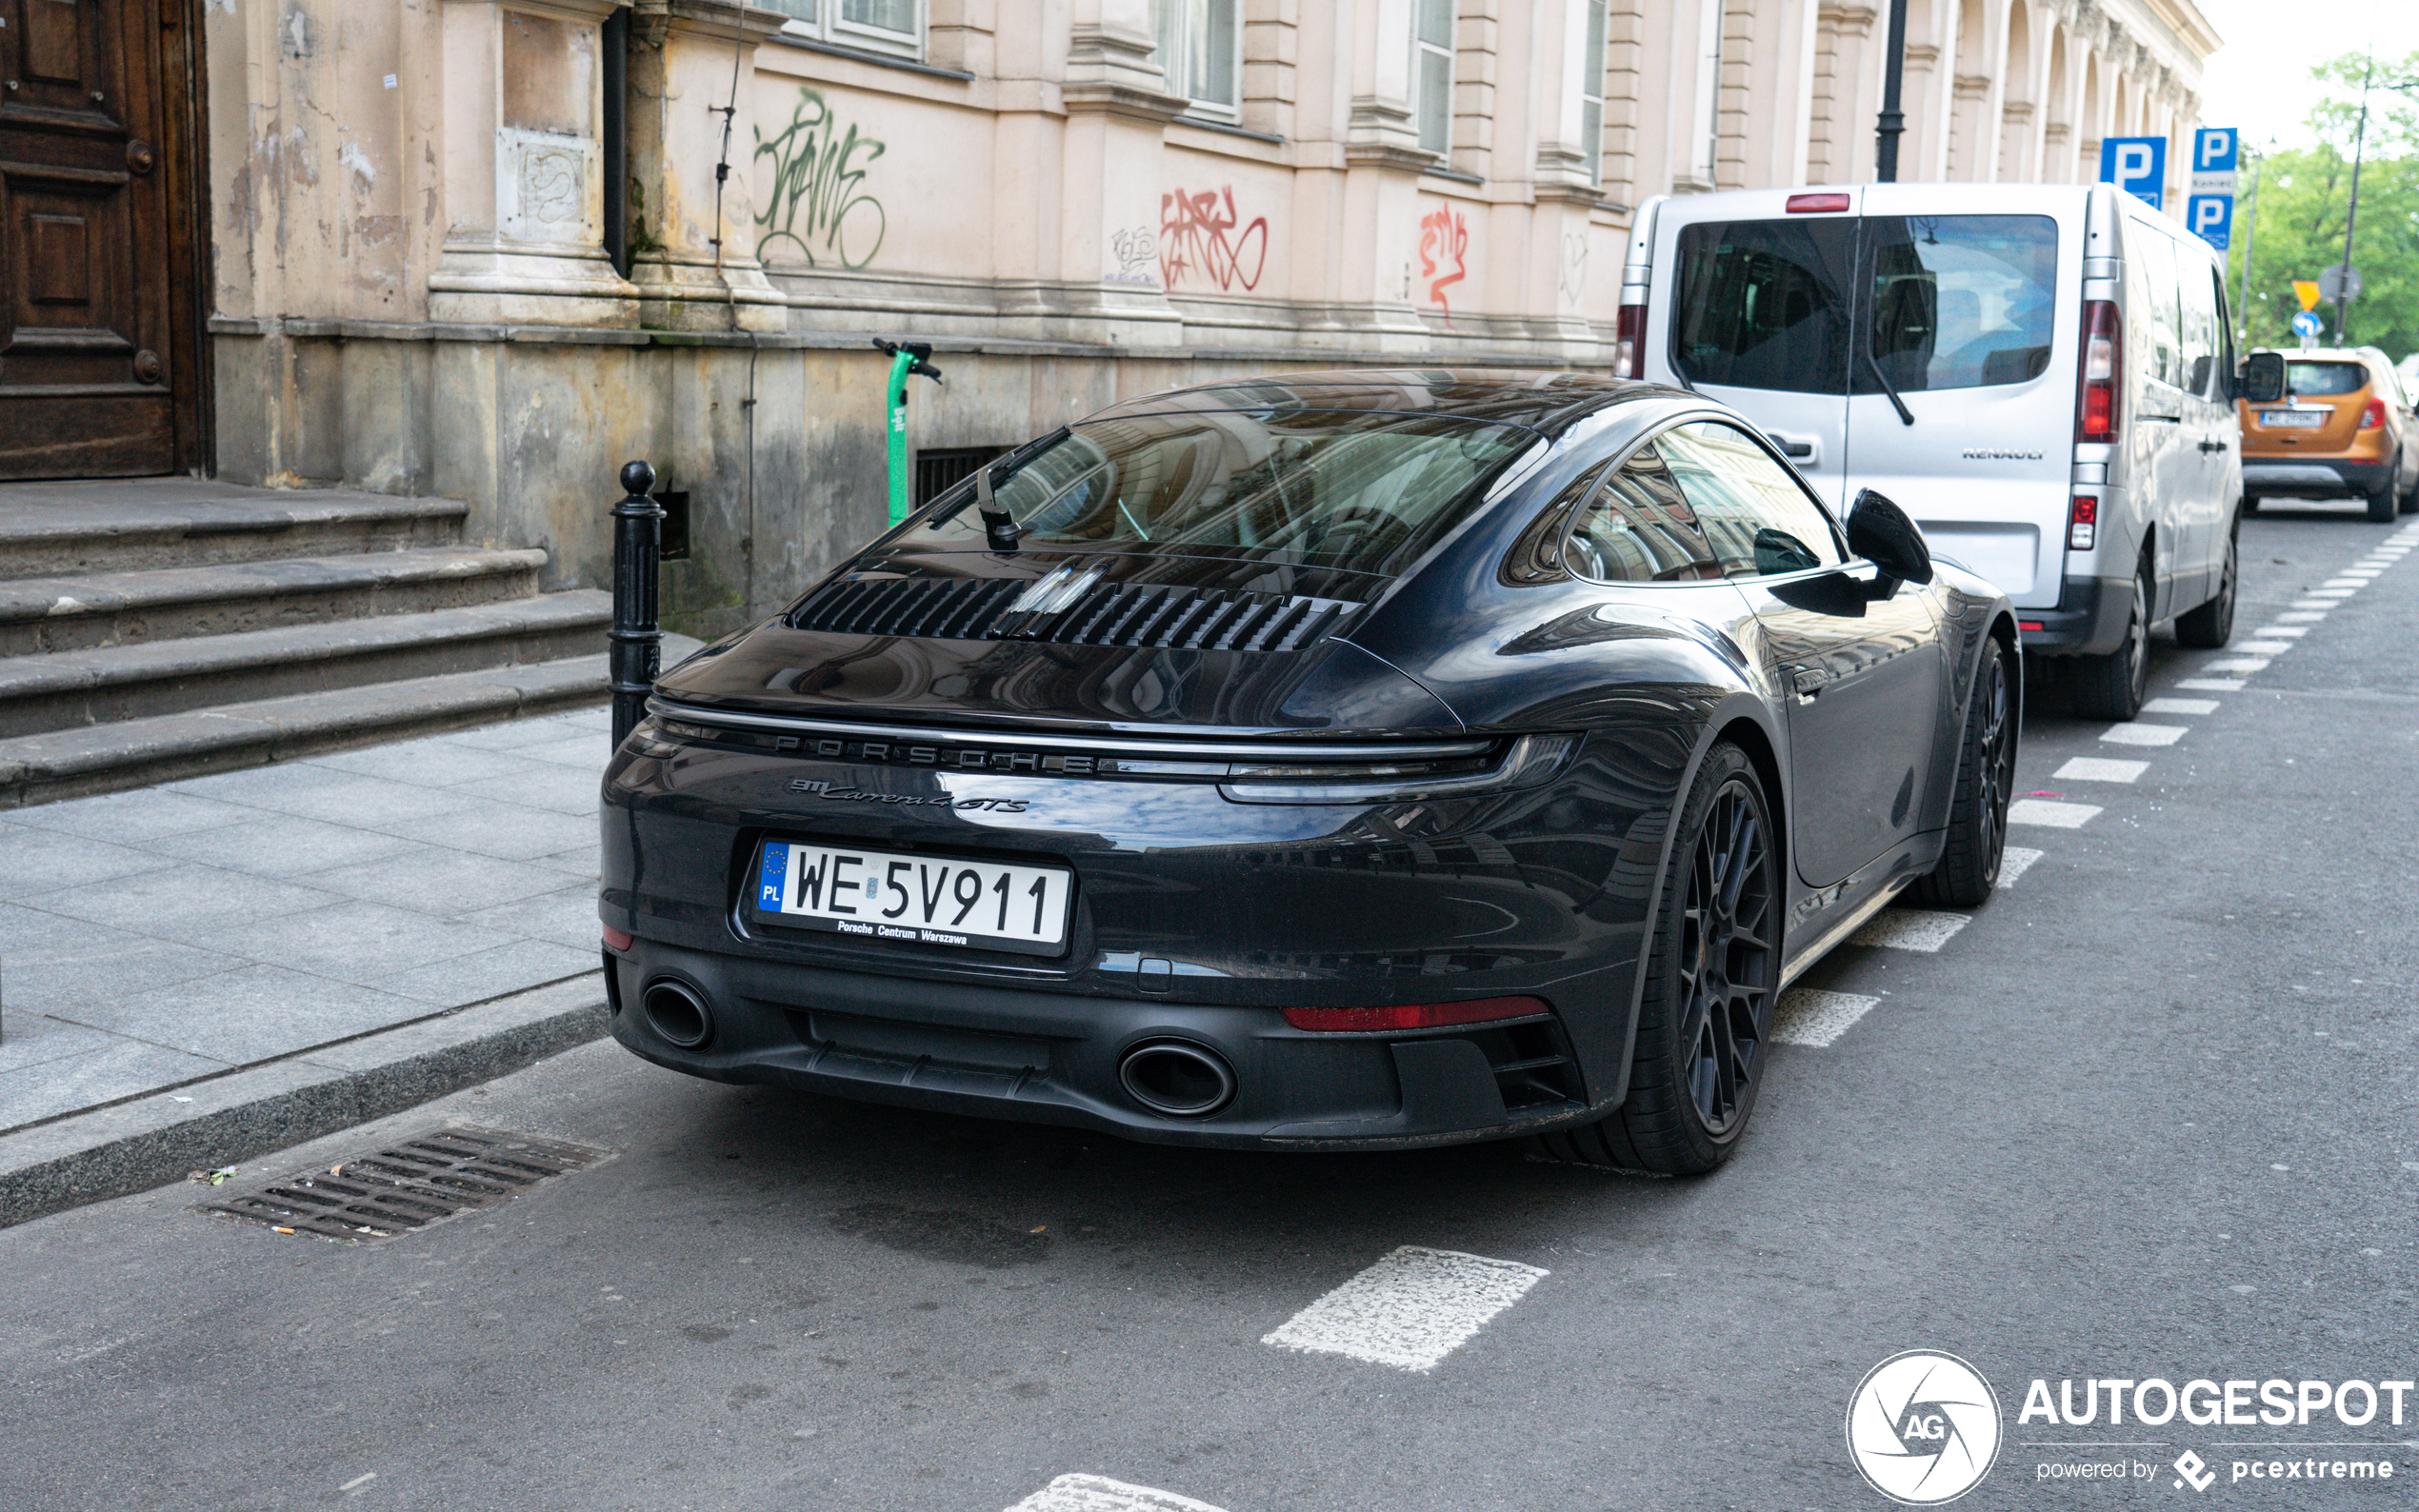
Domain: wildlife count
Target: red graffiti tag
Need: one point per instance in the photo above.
(1444, 243)
(1197, 234)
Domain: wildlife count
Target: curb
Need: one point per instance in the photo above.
(152, 1140)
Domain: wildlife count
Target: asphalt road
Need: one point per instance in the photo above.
(2147, 1114)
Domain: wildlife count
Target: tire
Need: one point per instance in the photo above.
(1968, 865)
(2113, 686)
(1713, 971)
(2410, 498)
(2212, 625)
(2383, 505)
(2250, 504)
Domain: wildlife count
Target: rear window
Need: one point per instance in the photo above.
(1764, 305)
(1961, 301)
(1355, 489)
(2320, 379)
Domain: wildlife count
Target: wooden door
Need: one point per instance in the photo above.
(97, 368)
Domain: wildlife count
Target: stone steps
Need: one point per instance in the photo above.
(165, 627)
(101, 758)
(105, 684)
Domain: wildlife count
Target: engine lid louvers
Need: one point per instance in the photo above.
(1075, 609)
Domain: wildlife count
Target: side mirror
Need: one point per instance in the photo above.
(2264, 377)
(1880, 532)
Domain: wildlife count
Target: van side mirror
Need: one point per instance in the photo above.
(2264, 377)
(1880, 532)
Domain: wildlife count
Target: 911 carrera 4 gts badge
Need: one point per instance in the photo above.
(823, 789)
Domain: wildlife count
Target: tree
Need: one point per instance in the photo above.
(2304, 194)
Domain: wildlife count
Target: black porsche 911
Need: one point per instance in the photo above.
(1336, 760)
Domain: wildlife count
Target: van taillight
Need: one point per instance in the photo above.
(2373, 418)
(1815, 203)
(2083, 523)
(1629, 341)
(2096, 414)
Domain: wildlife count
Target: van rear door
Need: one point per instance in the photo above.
(1752, 307)
(1961, 385)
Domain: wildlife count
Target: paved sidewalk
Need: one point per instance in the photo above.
(175, 934)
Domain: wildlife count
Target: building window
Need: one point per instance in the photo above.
(1433, 73)
(1200, 49)
(894, 26)
(1594, 65)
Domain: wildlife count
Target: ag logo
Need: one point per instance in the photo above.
(1923, 1427)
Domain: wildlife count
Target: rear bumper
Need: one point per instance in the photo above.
(2314, 477)
(1045, 1057)
(2088, 620)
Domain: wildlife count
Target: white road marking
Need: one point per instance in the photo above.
(2361, 573)
(1910, 930)
(2264, 647)
(2139, 734)
(1410, 1310)
(2302, 617)
(2097, 769)
(2056, 816)
(358, 1482)
(2213, 684)
(2317, 604)
(2181, 705)
(2288, 630)
(2237, 663)
(2346, 583)
(1811, 1016)
(2014, 861)
(1093, 1493)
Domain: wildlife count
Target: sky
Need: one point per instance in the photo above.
(2259, 81)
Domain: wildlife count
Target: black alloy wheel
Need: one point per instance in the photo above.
(2113, 686)
(1728, 957)
(2211, 624)
(1968, 865)
(1705, 1017)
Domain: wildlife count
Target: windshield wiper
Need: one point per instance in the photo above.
(1000, 529)
(1905, 415)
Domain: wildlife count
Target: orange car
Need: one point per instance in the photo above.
(2345, 427)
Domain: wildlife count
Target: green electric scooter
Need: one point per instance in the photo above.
(908, 358)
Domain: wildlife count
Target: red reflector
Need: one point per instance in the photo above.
(2028, 625)
(1414, 1015)
(1815, 203)
(615, 940)
(1629, 342)
(2086, 509)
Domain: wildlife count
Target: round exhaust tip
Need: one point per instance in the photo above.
(676, 1012)
(1179, 1078)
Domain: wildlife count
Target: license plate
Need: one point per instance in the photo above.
(2302, 419)
(884, 895)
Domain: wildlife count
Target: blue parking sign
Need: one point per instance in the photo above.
(2215, 149)
(2211, 218)
(2136, 165)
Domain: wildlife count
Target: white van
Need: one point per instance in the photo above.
(2041, 374)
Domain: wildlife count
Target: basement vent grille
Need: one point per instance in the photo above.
(409, 1184)
(1146, 614)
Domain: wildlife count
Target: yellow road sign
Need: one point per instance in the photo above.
(2308, 292)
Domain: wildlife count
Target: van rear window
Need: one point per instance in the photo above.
(2318, 379)
(1764, 305)
(1961, 301)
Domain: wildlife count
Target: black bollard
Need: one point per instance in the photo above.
(637, 642)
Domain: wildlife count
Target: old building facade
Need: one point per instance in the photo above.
(490, 249)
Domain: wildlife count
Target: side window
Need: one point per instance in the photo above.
(2154, 325)
(1762, 305)
(2200, 322)
(1640, 528)
(1758, 520)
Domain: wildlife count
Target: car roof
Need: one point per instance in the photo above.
(1546, 402)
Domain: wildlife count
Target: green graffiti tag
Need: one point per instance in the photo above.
(818, 178)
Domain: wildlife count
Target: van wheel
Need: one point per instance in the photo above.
(2212, 625)
(2382, 506)
(2113, 686)
(2250, 504)
(2410, 498)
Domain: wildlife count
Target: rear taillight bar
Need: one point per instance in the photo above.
(2373, 418)
(1630, 343)
(1414, 1015)
(2083, 523)
(2097, 404)
(1815, 203)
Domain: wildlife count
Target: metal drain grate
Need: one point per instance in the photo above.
(409, 1184)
